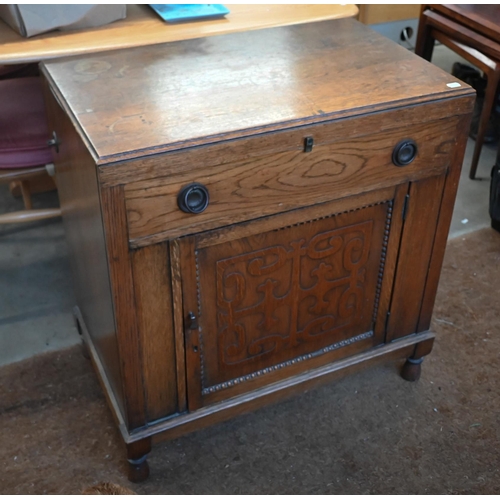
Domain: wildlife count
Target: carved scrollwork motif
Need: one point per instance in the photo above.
(282, 296)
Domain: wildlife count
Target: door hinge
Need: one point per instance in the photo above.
(405, 206)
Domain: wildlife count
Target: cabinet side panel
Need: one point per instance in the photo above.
(77, 186)
(416, 247)
(122, 288)
(447, 205)
(153, 300)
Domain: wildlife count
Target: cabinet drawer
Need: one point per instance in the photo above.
(338, 165)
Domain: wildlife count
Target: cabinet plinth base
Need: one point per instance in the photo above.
(137, 451)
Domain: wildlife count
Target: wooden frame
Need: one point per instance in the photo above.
(22, 177)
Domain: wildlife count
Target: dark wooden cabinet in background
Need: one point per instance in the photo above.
(251, 214)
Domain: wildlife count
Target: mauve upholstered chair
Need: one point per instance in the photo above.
(24, 151)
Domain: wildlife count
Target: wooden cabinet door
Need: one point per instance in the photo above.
(267, 299)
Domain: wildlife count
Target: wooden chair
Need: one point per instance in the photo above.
(24, 151)
(462, 35)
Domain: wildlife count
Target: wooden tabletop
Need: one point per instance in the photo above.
(143, 27)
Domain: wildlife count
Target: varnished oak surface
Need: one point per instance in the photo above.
(258, 146)
(85, 236)
(305, 264)
(273, 300)
(145, 100)
(286, 180)
(152, 297)
(218, 412)
(143, 27)
(443, 226)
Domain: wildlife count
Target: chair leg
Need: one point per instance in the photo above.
(489, 99)
(425, 42)
(25, 191)
(22, 178)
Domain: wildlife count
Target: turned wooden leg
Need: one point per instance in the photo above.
(25, 191)
(137, 453)
(424, 46)
(412, 369)
(138, 469)
(413, 366)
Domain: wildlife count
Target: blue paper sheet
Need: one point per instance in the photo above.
(188, 12)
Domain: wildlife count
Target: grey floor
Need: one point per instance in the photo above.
(36, 296)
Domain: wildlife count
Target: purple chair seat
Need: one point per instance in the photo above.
(23, 126)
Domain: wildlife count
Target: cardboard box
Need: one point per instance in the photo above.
(31, 20)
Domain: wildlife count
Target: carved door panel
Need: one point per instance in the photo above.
(261, 305)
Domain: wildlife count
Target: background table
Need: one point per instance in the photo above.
(144, 27)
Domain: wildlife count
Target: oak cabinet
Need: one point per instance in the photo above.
(249, 215)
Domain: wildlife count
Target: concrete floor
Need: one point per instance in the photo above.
(36, 295)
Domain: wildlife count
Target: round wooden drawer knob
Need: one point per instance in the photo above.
(404, 152)
(193, 198)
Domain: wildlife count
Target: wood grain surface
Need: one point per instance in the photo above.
(218, 412)
(280, 298)
(443, 227)
(254, 187)
(153, 303)
(148, 100)
(192, 335)
(122, 286)
(84, 232)
(143, 27)
(419, 231)
(224, 152)
(178, 317)
(305, 263)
